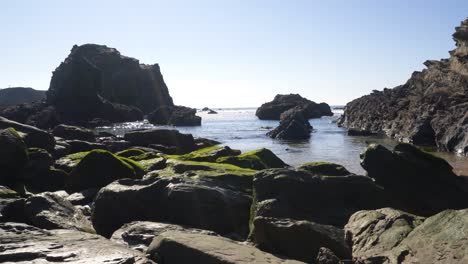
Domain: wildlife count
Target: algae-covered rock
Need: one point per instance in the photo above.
(13, 155)
(137, 154)
(209, 154)
(374, 233)
(257, 159)
(73, 132)
(99, 168)
(324, 168)
(69, 162)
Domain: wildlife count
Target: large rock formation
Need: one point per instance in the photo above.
(431, 108)
(92, 70)
(283, 102)
(18, 95)
(293, 126)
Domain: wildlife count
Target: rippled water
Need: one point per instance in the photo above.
(241, 129)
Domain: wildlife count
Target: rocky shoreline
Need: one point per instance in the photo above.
(430, 109)
(159, 196)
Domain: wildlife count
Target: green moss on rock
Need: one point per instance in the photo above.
(99, 168)
(130, 152)
(257, 160)
(324, 168)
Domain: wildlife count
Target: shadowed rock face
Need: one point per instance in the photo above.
(431, 108)
(293, 126)
(123, 80)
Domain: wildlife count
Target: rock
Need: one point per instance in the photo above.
(179, 247)
(211, 112)
(324, 168)
(174, 115)
(32, 136)
(22, 243)
(18, 95)
(99, 168)
(257, 160)
(373, 233)
(418, 182)
(84, 197)
(429, 109)
(390, 236)
(73, 132)
(123, 79)
(177, 200)
(205, 142)
(282, 103)
(81, 146)
(139, 235)
(299, 240)
(326, 256)
(13, 156)
(300, 195)
(166, 137)
(115, 145)
(293, 125)
(210, 154)
(47, 211)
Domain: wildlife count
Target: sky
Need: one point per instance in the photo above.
(237, 53)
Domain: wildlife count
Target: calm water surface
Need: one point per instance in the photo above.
(241, 129)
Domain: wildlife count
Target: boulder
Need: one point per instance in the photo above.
(326, 256)
(47, 211)
(419, 182)
(429, 109)
(22, 243)
(257, 160)
(293, 125)
(81, 146)
(99, 168)
(139, 235)
(324, 168)
(374, 233)
(178, 200)
(13, 156)
(32, 136)
(300, 195)
(179, 247)
(174, 115)
(167, 137)
(73, 132)
(391, 236)
(18, 95)
(282, 103)
(210, 154)
(299, 240)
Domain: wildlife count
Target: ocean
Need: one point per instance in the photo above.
(239, 128)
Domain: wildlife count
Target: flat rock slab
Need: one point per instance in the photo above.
(21, 243)
(174, 247)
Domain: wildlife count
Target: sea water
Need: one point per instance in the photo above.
(239, 128)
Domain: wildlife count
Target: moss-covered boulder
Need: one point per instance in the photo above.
(257, 159)
(137, 154)
(69, 162)
(209, 154)
(99, 168)
(13, 156)
(324, 168)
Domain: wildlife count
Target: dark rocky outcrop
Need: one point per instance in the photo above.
(32, 136)
(431, 108)
(391, 236)
(100, 70)
(296, 239)
(293, 125)
(173, 247)
(177, 200)
(324, 168)
(139, 235)
(183, 143)
(418, 182)
(13, 156)
(18, 95)
(23, 243)
(281, 103)
(256, 159)
(175, 116)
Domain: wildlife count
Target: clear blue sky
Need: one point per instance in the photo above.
(224, 53)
